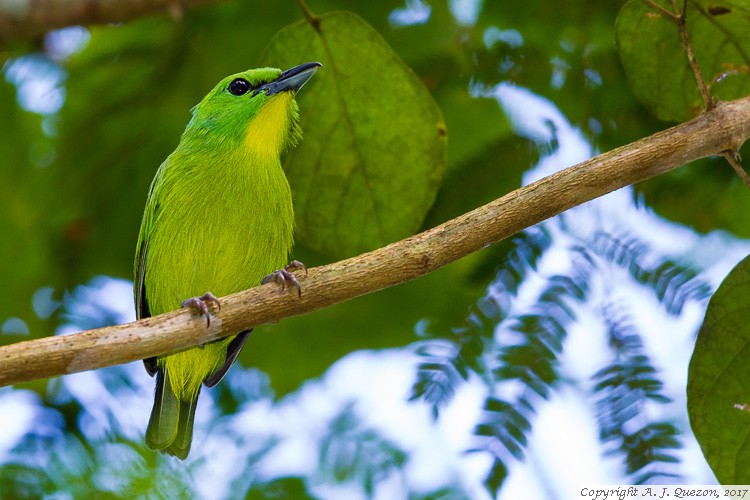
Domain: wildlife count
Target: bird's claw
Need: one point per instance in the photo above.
(199, 305)
(285, 277)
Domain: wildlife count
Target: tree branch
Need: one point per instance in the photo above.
(725, 128)
(20, 19)
(733, 158)
(687, 44)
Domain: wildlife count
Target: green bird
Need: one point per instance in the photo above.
(218, 217)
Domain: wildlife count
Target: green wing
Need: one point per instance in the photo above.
(139, 267)
(139, 288)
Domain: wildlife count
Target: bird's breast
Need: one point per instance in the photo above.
(222, 235)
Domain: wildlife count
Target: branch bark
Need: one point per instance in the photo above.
(20, 19)
(724, 128)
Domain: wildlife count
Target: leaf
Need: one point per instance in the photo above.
(374, 150)
(656, 65)
(279, 488)
(718, 378)
(498, 474)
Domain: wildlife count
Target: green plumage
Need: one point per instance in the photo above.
(218, 218)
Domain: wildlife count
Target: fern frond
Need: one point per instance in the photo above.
(449, 357)
(350, 451)
(624, 388)
(674, 284)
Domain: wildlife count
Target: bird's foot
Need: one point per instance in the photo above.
(285, 277)
(199, 305)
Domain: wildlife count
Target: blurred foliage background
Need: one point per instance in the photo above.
(88, 114)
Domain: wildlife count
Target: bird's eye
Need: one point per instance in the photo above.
(239, 86)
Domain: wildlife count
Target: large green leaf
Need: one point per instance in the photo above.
(719, 378)
(656, 65)
(374, 150)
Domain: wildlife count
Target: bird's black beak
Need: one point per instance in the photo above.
(291, 79)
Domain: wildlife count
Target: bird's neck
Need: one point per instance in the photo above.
(271, 130)
(262, 139)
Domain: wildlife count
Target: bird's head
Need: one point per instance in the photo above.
(254, 110)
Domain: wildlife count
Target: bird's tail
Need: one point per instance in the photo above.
(170, 428)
